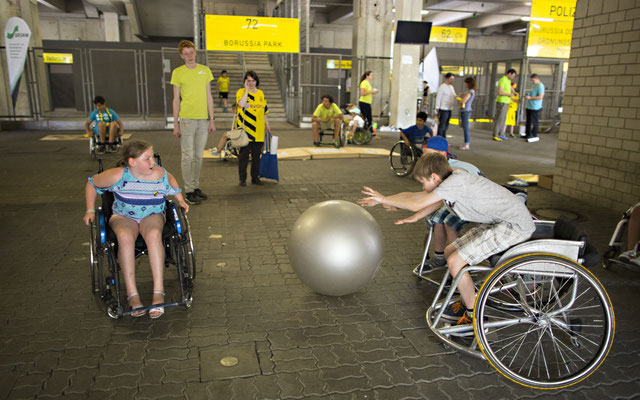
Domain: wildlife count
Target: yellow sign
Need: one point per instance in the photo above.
(551, 39)
(58, 58)
(445, 34)
(254, 34)
(337, 64)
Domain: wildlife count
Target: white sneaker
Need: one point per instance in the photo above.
(214, 151)
(630, 257)
(533, 139)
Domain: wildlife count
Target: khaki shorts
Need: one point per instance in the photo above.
(483, 241)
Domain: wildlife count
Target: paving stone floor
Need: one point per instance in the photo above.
(57, 340)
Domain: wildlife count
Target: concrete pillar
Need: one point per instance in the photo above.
(28, 11)
(406, 63)
(372, 38)
(111, 27)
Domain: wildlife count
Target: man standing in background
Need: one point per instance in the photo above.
(502, 105)
(534, 105)
(193, 103)
(445, 99)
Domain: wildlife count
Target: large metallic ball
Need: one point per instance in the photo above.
(335, 247)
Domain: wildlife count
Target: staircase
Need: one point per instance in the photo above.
(259, 63)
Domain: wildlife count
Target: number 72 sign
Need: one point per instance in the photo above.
(253, 34)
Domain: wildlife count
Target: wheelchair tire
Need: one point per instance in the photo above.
(563, 331)
(95, 261)
(402, 159)
(361, 136)
(342, 136)
(92, 148)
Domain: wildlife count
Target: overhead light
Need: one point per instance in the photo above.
(393, 10)
(424, 12)
(536, 19)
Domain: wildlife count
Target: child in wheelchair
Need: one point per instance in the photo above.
(139, 187)
(107, 126)
(503, 219)
(415, 134)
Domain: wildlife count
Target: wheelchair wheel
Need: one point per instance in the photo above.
(562, 331)
(95, 260)
(402, 159)
(342, 136)
(92, 147)
(361, 136)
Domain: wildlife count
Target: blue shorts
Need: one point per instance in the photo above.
(443, 216)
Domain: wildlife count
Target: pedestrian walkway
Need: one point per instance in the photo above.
(248, 303)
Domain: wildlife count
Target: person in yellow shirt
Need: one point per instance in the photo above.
(326, 116)
(513, 109)
(192, 107)
(366, 92)
(252, 117)
(223, 89)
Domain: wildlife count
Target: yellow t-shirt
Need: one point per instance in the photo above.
(366, 86)
(252, 115)
(223, 84)
(322, 112)
(193, 90)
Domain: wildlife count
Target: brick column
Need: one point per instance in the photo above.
(598, 155)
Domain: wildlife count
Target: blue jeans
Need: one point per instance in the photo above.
(443, 122)
(464, 117)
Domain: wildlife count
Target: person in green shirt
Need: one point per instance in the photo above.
(223, 89)
(192, 117)
(326, 116)
(502, 104)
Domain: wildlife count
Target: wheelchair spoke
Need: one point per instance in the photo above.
(557, 327)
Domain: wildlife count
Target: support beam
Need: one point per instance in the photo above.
(340, 13)
(134, 17)
(487, 20)
(89, 10)
(58, 5)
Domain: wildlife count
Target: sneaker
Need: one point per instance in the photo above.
(533, 139)
(503, 137)
(466, 318)
(336, 144)
(434, 263)
(191, 198)
(200, 195)
(243, 183)
(317, 144)
(512, 134)
(455, 310)
(497, 139)
(101, 149)
(214, 151)
(112, 148)
(630, 257)
(257, 182)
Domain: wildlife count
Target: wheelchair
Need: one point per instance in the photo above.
(540, 317)
(403, 158)
(229, 152)
(94, 142)
(610, 256)
(342, 136)
(104, 267)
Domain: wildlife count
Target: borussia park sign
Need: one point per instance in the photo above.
(551, 28)
(252, 34)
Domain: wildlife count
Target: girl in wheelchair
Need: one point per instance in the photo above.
(139, 187)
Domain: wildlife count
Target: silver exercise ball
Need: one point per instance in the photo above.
(335, 247)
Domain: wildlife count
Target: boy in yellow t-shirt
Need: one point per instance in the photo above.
(192, 117)
(223, 89)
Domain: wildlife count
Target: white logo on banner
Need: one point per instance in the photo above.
(16, 34)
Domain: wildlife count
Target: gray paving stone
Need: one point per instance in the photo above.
(290, 386)
(167, 390)
(346, 385)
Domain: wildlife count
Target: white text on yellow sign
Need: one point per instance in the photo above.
(252, 34)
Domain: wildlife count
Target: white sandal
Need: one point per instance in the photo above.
(157, 309)
(134, 313)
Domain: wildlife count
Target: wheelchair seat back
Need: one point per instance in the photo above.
(564, 237)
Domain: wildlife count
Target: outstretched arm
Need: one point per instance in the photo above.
(414, 202)
(420, 214)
